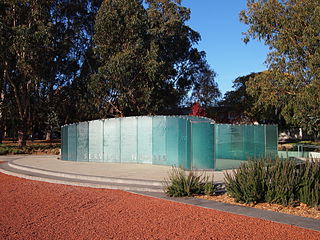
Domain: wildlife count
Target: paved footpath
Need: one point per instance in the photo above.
(133, 177)
(140, 179)
(116, 170)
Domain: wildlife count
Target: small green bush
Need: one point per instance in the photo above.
(209, 188)
(309, 188)
(280, 181)
(181, 184)
(18, 151)
(4, 151)
(247, 184)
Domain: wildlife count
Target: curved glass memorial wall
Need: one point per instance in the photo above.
(183, 141)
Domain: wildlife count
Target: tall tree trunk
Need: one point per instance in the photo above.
(1, 133)
(1, 121)
(2, 96)
(22, 133)
(22, 97)
(22, 138)
(48, 135)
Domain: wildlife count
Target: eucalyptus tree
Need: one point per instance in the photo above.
(244, 99)
(26, 35)
(205, 89)
(73, 25)
(43, 45)
(147, 57)
(291, 29)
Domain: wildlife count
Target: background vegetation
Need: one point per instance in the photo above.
(287, 93)
(64, 61)
(70, 61)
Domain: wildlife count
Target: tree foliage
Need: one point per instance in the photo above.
(24, 26)
(205, 89)
(42, 46)
(142, 60)
(246, 99)
(239, 100)
(291, 30)
(147, 59)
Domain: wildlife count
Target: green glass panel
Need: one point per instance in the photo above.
(172, 141)
(64, 143)
(248, 134)
(129, 139)
(237, 143)
(72, 142)
(223, 141)
(83, 142)
(271, 140)
(259, 141)
(184, 143)
(237, 151)
(96, 141)
(224, 164)
(159, 141)
(112, 140)
(144, 140)
(202, 138)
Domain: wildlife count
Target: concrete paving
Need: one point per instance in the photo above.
(113, 170)
(129, 177)
(83, 181)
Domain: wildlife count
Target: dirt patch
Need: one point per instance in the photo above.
(299, 210)
(37, 210)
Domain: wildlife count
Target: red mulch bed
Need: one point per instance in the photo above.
(37, 210)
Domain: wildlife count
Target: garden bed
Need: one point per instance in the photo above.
(300, 209)
(38, 147)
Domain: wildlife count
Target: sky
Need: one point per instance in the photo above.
(218, 23)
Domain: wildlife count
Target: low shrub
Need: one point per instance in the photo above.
(3, 150)
(181, 184)
(309, 188)
(247, 184)
(18, 151)
(209, 188)
(280, 181)
(12, 150)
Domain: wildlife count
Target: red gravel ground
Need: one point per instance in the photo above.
(37, 210)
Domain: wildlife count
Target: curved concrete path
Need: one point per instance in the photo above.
(130, 177)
